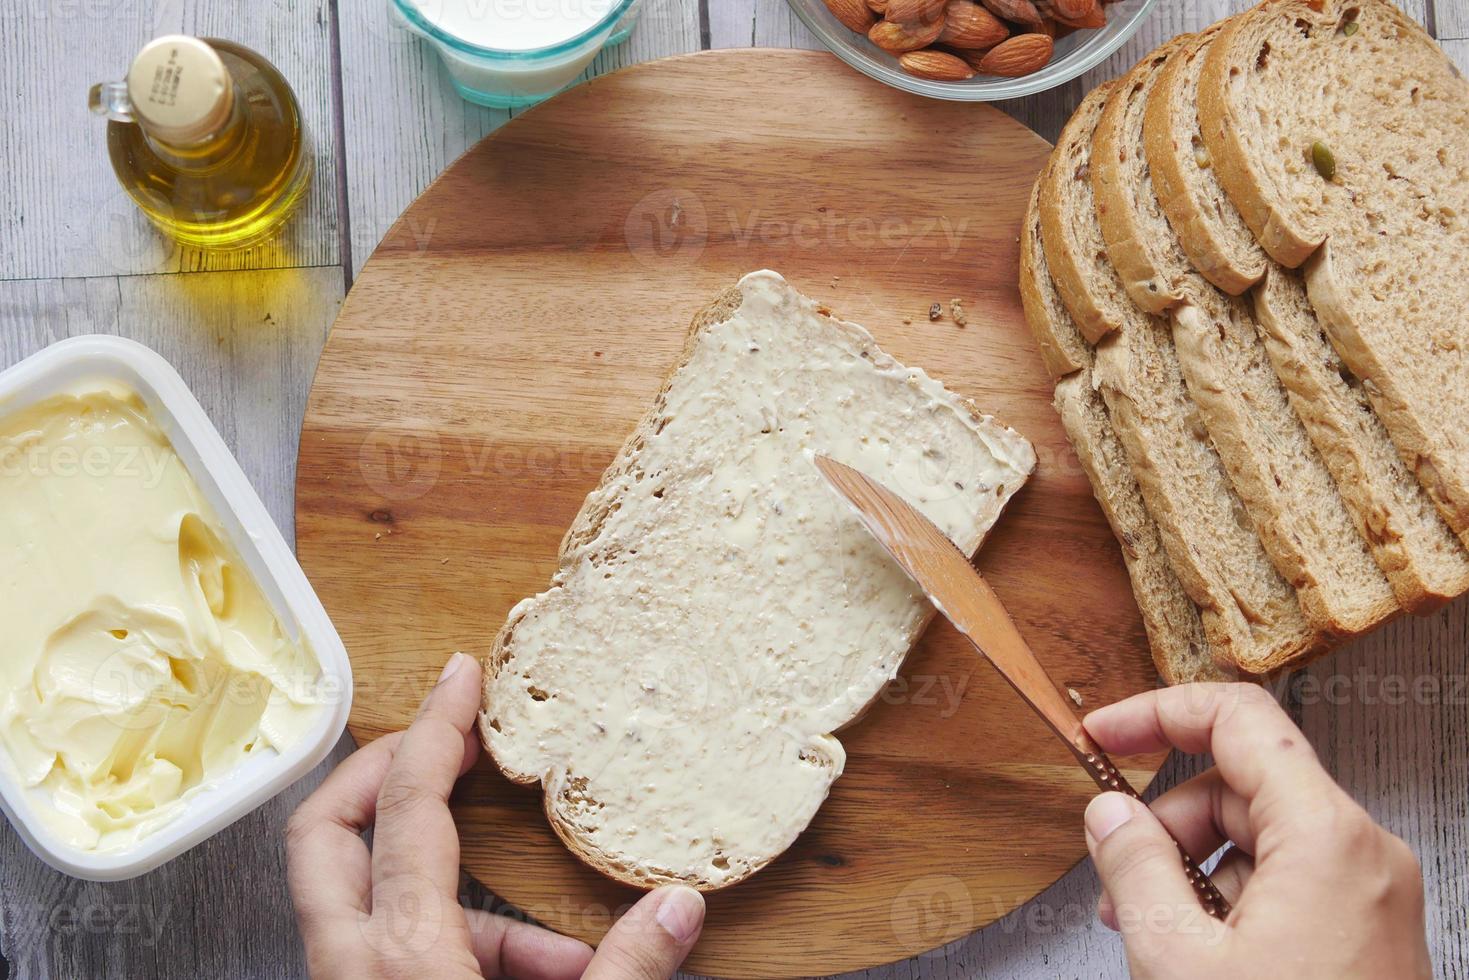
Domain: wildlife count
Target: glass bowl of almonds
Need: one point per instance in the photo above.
(973, 50)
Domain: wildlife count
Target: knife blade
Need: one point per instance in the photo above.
(962, 596)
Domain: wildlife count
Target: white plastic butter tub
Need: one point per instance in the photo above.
(212, 807)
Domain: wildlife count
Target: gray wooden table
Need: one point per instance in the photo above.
(1389, 715)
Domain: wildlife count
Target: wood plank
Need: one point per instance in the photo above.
(757, 24)
(1458, 51)
(404, 123)
(1451, 20)
(62, 212)
(1389, 717)
(246, 343)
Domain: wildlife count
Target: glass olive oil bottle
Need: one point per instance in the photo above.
(206, 137)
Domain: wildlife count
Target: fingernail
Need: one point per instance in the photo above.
(1106, 813)
(452, 667)
(681, 913)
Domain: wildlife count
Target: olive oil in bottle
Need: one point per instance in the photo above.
(206, 137)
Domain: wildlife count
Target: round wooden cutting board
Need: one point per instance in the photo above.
(517, 321)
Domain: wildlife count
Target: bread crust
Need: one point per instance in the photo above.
(1423, 560)
(1175, 632)
(1279, 233)
(1061, 353)
(1170, 110)
(1127, 240)
(1414, 382)
(1067, 267)
(1417, 447)
(1231, 619)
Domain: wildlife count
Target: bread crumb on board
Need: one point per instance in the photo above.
(956, 312)
(1075, 695)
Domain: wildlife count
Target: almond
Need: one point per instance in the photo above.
(1019, 55)
(853, 14)
(936, 65)
(1068, 9)
(914, 11)
(1090, 16)
(898, 38)
(878, 7)
(970, 27)
(1022, 12)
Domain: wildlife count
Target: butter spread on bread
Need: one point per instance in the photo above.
(718, 612)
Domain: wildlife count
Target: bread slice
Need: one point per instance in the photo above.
(1175, 629)
(1175, 632)
(1344, 124)
(1282, 481)
(1251, 616)
(1424, 563)
(717, 610)
(1152, 270)
(1215, 238)
(1089, 294)
(1064, 351)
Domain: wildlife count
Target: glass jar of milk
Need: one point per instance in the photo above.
(512, 53)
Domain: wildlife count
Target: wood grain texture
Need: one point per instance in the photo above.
(403, 126)
(62, 212)
(458, 456)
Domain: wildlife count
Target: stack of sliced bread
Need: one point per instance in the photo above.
(1242, 265)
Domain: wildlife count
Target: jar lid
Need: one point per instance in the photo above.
(180, 90)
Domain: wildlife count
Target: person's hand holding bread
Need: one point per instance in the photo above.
(393, 911)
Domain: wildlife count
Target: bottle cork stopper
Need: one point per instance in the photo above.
(180, 89)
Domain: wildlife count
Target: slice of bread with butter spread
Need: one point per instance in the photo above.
(718, 611)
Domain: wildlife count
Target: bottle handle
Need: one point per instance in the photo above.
(110, 99)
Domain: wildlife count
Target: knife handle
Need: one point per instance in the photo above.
(1107, 776)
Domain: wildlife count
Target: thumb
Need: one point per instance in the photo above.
(1142, 874)
(652, 939)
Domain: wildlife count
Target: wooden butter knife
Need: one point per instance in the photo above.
(964, 598)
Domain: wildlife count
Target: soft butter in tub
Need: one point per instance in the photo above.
(140, 661)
